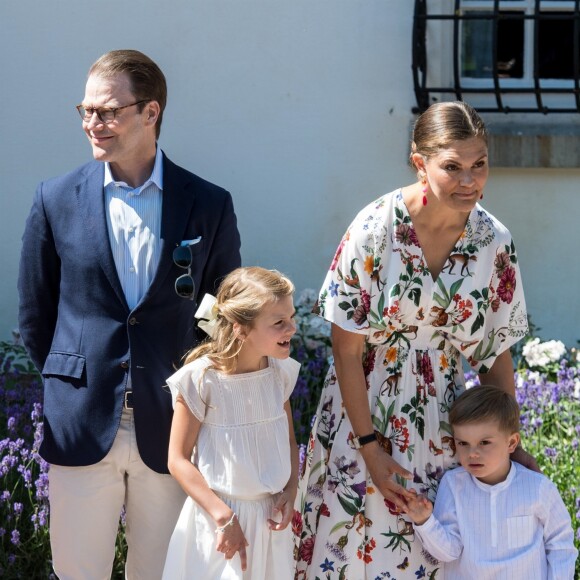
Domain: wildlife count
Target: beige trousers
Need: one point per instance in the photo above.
(85, 504)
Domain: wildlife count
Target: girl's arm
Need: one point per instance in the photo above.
(347, 348)
(501, 375)
(184, 432)
(285, 502)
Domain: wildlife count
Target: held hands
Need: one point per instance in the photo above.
(231, 539)
(382, 468)
(283, 507)
(419, 508)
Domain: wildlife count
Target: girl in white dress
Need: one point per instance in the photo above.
(232, 445)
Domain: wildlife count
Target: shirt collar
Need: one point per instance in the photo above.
(498, 486)
(156, 176)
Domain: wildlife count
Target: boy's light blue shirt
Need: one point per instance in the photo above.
(519, 528)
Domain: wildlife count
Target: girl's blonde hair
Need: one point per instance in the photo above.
(241, 298)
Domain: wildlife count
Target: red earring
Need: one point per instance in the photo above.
(481, 196)
(424, 184)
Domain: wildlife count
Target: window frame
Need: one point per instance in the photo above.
(529, 94)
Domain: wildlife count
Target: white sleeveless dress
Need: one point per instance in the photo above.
(243, 452)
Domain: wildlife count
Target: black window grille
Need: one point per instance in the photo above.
(495, 35)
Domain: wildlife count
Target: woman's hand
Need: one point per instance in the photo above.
(232, 540)
(284, 506)
(524, 458)
(382, 468)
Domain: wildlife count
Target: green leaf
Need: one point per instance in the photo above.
(446, 427)
(443, 290)
(440, 300)
(421, 427)
(348, 506)
(345, 305)
(381, 406)
(455, 287)
(381, 305)
(398, 213)
(415, 295)
(339, 525)
(395, 290)
(478, 323)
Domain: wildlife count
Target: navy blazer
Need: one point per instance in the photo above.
(76, 324)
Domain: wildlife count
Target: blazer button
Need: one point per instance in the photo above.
(125, 364)
(132, 321)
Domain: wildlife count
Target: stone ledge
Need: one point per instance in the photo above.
(534, 145)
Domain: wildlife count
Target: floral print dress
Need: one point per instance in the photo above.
(416, 329)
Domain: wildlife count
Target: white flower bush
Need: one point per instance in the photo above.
(542, 354)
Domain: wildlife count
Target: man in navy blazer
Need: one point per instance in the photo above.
(101, 319)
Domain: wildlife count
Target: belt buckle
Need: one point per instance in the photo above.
(128, 400)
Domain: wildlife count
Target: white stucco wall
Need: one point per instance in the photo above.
(301, 109)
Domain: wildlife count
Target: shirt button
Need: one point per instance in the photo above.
(131, 269)
(132, 321)
(125, 364)
(131, 230)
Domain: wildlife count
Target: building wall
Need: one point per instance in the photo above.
(301, 109)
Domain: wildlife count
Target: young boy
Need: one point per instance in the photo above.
(494, 519)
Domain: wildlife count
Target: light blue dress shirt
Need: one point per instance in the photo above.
(134, 224)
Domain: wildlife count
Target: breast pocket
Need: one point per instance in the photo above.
(520, 531)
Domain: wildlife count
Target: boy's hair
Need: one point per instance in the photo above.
(486, 403)
(241, 298)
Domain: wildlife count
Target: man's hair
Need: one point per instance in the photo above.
(486, 403)
(147, 80)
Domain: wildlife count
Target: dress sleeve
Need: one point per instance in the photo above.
(500, 317)
(189, 382)
(345, 296)
(288, 370)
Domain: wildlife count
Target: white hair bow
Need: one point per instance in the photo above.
(206, 315)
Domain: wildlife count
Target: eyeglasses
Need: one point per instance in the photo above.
(105, 114)
(184, 285)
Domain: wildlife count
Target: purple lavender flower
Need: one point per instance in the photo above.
(15, 537)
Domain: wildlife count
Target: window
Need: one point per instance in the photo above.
(500, 55)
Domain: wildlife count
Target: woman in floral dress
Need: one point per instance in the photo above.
(423, 276)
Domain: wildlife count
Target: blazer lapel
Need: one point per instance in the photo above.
(91, 199)
(178, 199)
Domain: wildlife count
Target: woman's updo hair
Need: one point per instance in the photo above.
(443, 123)
(241, 298)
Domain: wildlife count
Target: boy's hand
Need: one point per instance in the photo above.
(284, 507)
(419, 508)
